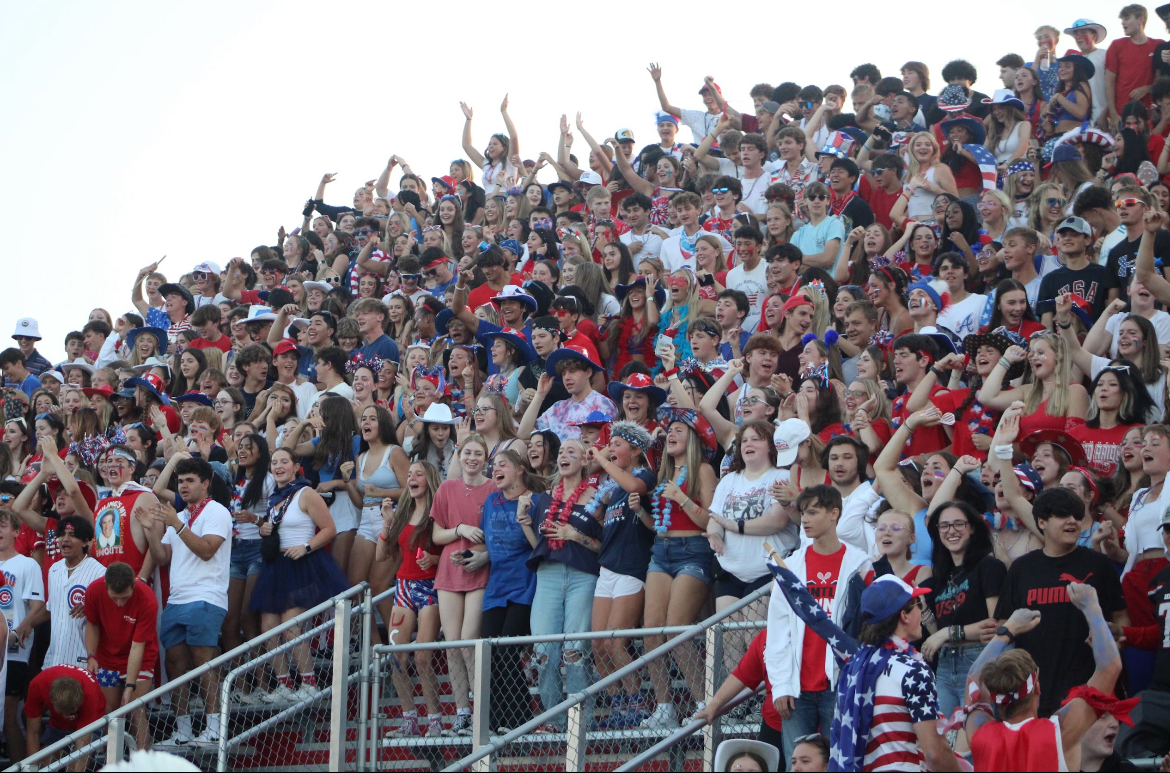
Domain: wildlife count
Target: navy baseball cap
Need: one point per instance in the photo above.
(886, 597)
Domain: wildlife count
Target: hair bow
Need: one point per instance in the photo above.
(496, 383)
(830, 338)
(437, 375)
(881, 338)
(543, 224)
(820, 374)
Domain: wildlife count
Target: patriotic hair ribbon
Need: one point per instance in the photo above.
(1021, 166)
(986, 163)
(435, 375)
(820, 374)
(881, 338)
(374, 363)
(879, 261)
(429, 228)
(496, 383)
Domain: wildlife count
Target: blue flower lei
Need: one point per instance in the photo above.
(662, 514)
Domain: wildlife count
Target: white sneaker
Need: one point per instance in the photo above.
(177, 740)
(282, 694)
(195, 704)
(209, 737)
(664, 717)
(306, 692)
(255, 698)
(699, 706)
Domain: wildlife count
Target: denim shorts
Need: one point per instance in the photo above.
(691, 556)
(196, 624)
(245, 558)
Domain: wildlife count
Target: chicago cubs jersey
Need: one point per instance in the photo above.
(66, 591)
(22, 585)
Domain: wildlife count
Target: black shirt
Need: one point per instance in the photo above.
(1159, 595)
(859, 214)
(1058, 645)
(1093, 283)
(963, 600)
(1122, 258)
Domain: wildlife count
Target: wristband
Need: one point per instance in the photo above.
(740, 523)
(938, 374)
(1003, 452)
(1004, 363)
(1064, 327)
(671, 372)
(180, 530)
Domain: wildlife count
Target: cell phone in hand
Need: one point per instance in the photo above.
(706, 280)
(664, 343)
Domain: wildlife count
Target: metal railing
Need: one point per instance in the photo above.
(69, 749)
(577, 733)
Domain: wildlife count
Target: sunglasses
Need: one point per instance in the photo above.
(807, 105)
(333, 280)
(199, 276)
(1053, 202)
(410, 277)
(431, 272)
(817, 197)
(363, 232)
(562, 312)
(720, 190)
(1127, 203)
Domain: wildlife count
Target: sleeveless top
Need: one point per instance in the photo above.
(114, 540)
(1006, 147)
(297, 528)
(1039, 419)
(1033, 744)
(921, 203)
(383, 477)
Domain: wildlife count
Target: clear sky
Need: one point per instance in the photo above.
(132, 130)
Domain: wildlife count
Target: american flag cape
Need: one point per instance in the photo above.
(986, 162)
(861, 665)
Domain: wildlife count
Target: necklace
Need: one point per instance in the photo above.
(561, 508)
(662, 513)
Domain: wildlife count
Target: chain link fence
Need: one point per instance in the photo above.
(284, 728)
(558, 702)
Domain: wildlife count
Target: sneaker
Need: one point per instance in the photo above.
(664, 717)
(460, 725)
(209, 737)
(408, 729)
(699, 706)
(306, 692)
(618, 718)
(255, 698)
(434, 726)
(282, 694)
(745, 711)
(195, 705)
(548, 727)
(178, 740)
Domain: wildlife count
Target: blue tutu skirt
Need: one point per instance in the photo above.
(302, 584)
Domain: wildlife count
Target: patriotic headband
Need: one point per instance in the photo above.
(1088, 476)
(374, 363)
(1029, 686)
(543, 224)
(429, 228)
(450, 197)
(122, 453)
(435, 375)
(634, 434)
(1021, 166)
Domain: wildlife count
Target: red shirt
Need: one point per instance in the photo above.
(1133, 66)
(586, 335)
(969, 423)
(93, 707)
(1102, 446)
(752, 672)
(123, 626)
(924, 440)
(1030, 745)
(409, 568)
(224, 344)
(822, 573)
(881, 203)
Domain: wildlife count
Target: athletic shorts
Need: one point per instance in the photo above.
(415, 595)
(611, 585)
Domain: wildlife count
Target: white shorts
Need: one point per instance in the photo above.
(371, 523)
(345, 515)
(611, 585)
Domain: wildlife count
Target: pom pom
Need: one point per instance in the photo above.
(804, 339)
(831, 337)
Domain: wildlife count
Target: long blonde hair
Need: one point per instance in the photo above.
(820, 301)
(912, 168)
(874, 389)
(1036, 206)
(693, 460)
(421, 536)
(1058, 402)
(692, 298)
(720, 258)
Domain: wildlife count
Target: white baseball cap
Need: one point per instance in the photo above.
(788, 436)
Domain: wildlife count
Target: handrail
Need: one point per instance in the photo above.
(74, 738)
(685, 731)
(597, 687)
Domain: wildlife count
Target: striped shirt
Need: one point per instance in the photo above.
(67, 590)
(903, 696)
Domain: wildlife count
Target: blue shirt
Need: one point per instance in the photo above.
(510, 580)
(383, 346)
(626, 541)
(923, 545)
(307, 366)
(30, 385)
(725, 349)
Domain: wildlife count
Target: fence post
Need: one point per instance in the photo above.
(575, 742)
(364, 683)
(712, 733)
(375, 729)
(115, 741)
(481, 713)
(225, 703)
(339, 698)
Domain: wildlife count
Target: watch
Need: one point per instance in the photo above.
(1003, 631)
(308, 548)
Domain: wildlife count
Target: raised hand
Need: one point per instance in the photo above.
(504, 104)
(655, 71)
(467, 112)
(328, 178)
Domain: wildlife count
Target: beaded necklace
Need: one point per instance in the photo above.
(561, 508)
(662, 513)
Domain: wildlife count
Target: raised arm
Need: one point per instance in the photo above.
(57, 467)
(991, 394)
(920, 397)
(894, 486)
(709, 405)
(382, 184)
(136, 297)
(1099, 340)
(656, 74)
(1005, 435)
(528, 423)
(636, 182)
(513, 138)
(468, 148)
(1077, 716)
(1081, 358)
(598, 153)
(702, 153)
(1159, 287)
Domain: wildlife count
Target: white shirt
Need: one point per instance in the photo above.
(67, 590)
(675, 254)
(650, 241)
(753, 192)
(1160, 321)
(700, 122)
(962, 318)
(1112, 239)
(343, 389)
(853, 528)
(752, 283)
(737, 497)
(194, 579)
(22, 584)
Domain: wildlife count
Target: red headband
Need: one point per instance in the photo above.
(1088, 476)
(796, 301)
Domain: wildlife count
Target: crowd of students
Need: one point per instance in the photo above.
(915, 349)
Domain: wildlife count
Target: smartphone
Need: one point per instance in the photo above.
(707, 280)
(664, 342)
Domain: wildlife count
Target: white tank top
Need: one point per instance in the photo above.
(297, 528)
(921, 204)
(1006, 147)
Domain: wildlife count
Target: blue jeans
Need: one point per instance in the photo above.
(812, 713)
(563, 604)
(950, 679)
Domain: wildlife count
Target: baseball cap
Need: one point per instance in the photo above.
(788, 436)
(208, 267)
(284, 347)
(624, 135)
(589, 177)
(1073, 223)
(886, 597)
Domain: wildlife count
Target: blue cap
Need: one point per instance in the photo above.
(886, 597)
(512, 246)
(660, 117)
(594, 417)
(193, 397)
